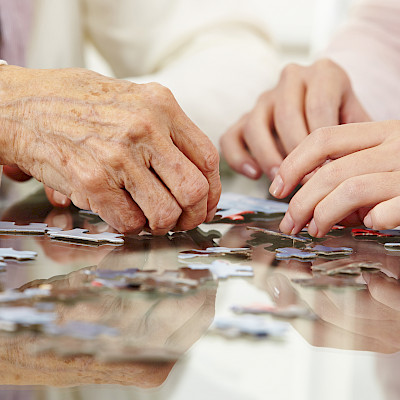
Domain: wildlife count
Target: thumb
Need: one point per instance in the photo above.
(57, 199)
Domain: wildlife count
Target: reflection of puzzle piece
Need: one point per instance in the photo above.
(215, 252)
(291, 311)
(238, 203)
(2, 263)
(6, 253)
(325, 281)
(80, 330)
(224, 269)
(80, 235)
(32, 228)
(292, 252)
(271, 232)
(392, 246)
(371, 232)
(340, 267)
(249, 325)
(329, 251)
(175, 281)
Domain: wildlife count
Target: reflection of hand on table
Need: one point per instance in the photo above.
(142, 320)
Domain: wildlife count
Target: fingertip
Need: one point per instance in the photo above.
(251, 170)
(368, 221)
(277, 187)
(58, 199)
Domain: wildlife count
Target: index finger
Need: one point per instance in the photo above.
(197, 147)
(322, 145)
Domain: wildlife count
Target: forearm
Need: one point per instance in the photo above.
(8, 124)
(368, 48)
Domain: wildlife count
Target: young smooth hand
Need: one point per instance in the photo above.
(305, 99)
(355, 178)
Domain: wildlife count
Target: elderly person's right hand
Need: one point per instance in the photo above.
(125, 151)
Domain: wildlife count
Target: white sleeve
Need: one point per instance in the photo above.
(368, 48)
(215, 55)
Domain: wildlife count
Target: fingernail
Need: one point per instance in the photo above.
(367, 277)
(368, 221)
(60, 221)
(312, 228)
(60, 198)
(287, 224)
(276, 187)
(211, 214)
(249, 170)
(273, 172)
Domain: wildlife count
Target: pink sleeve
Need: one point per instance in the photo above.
(368, 48)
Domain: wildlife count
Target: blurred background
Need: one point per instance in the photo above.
(299, 30)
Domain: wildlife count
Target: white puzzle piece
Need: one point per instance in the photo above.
(79, 234)
(33, 228)
(9, 252)
(224, 269)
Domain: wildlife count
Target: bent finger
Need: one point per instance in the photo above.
(353, 194)
(57, 199)
(186, 183)
(326, 144)
(235, 151)
(259, 139)
(385, 215)
(197, 147)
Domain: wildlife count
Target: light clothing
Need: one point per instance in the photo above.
(368, 48)
(215, 55)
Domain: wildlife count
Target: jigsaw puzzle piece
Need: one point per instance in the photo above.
(346, 267)
(329, 251)
(292, 311)
(292, 252)
(294, 238)
(10, 253)
(80, 235)
(215, 252)
(251, 325)
(224, 269)
(7, 227)
(392, 246)
(325, 281)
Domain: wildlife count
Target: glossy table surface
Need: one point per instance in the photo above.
(351, 351)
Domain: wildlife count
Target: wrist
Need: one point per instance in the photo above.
(12, 80)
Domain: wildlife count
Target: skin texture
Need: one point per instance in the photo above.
(305, 99)
(125, 151)
(360, 184)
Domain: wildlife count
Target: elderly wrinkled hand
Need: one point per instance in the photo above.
(305, 99)
(125, 151)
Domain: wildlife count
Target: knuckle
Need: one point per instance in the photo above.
(296, 207)
(290, 70)
(211, 160)
(353, 189)
(322, 137)
(283, 112)
(320, 214)
(165, 217)
(160, 95)
(92, 181)
(330, 173)
(199, 189)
